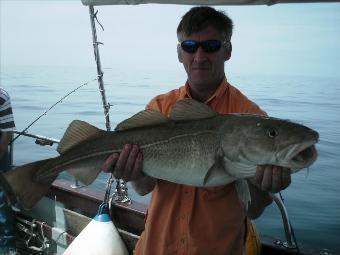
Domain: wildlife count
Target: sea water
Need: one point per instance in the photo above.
(312, 200)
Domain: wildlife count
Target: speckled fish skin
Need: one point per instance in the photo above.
(206, 152)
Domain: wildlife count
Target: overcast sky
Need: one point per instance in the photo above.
(293, 39)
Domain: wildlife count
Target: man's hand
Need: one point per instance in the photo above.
(128, 165)
(268, 178)
(272, 178)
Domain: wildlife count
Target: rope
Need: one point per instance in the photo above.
(95, 16)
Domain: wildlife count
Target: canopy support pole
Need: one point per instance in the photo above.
(100, 73)
(121, 192)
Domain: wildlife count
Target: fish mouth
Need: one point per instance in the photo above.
(300, 156)
(305, 157)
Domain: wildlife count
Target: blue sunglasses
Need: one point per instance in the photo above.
(208, 46)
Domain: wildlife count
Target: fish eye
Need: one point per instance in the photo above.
(272, 133)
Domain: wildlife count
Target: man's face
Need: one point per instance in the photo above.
(204, 69)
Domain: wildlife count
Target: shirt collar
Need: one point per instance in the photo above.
(220, 91)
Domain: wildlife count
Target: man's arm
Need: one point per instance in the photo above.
(144, 185)
(5, 138)
(267, 179)
(128, 166)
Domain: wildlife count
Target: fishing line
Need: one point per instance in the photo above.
(50, 108)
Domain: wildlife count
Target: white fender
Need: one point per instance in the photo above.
(100, 236)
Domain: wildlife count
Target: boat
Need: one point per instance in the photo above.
(68, 207)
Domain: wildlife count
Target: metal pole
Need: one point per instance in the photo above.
(121, 192)
(100, 73)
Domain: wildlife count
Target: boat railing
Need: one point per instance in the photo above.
(290, 242)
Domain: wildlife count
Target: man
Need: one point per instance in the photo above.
(7, 239)
(184, 219)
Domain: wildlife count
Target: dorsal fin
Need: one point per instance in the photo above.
(77, 132)
(190, 109)
(142, 119)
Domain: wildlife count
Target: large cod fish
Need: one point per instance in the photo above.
(195, 146)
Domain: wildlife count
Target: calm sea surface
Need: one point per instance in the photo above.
(312, 200)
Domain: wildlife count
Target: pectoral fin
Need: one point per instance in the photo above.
(243, 192)
(216, 175)
(238, 169)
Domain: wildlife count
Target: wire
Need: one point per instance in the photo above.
(95, 16)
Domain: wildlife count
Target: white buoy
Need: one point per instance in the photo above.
(100, 236)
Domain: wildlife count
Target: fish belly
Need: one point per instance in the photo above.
(190, 159)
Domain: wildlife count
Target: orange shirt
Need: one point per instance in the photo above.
(188, 220)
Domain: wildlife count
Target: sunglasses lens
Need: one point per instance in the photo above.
(211, 45)
(190, 46)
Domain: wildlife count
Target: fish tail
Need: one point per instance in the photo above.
(21, 187)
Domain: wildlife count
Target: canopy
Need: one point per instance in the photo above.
(199, 2)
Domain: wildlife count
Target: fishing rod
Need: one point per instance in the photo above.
(24, 132)
(41, 140)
